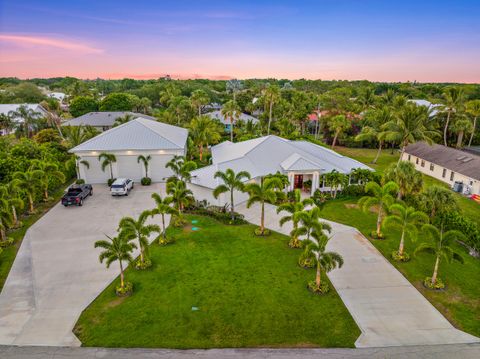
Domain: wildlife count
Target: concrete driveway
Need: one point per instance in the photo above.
(387, 308)
(57, 273)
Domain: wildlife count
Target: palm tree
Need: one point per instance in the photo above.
(137, 229)
(408, 179)
(29, 181)
(119, 249)
(75, 135)
(15, 200)
(374, 129)
(473, 108)
(204, 131)
(231, 181)
(107, 159)
(234, 86)
(437, 201)
(74, 163)
(272, 95)
(231, 111)
(454, 98)
(49, 171)
(123, 119)
(406, 219)
(338, 124)
(199, 98)
(145, 160)
(335, 179)
(6, 123)
(28, 116)
(440, 247)
(6, 217)
(163, 208)
(181, 195)
(462, 126)
(265, 191)
(310, 222)
(181, 167)
(381, 197)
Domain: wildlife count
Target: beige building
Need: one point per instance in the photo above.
(461, 170)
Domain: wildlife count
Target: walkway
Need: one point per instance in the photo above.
(56, 273)
(387, 308)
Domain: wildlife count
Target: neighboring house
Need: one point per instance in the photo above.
(139, 136)
(460, 169)
(301, 161)
(6, 109)
(217, 115)
(102, 121)
(59, 96)
(213, 106)
(434, 108)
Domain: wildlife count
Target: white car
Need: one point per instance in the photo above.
(121, 187)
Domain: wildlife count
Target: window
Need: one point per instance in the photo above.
(423, 163)
(452, 175)
(444, 173)
(416, 161)
(432, 167)
(409, 157)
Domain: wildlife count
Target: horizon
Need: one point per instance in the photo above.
(373, 40)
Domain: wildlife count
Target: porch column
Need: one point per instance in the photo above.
(315, 182)
(291, 180)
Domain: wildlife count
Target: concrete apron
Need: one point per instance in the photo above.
(57, 274)
(387, 308)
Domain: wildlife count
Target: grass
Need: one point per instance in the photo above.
(249, 290)
(459, 303)
(7, 257)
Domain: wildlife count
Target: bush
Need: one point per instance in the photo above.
(258, 232)
(164, 241)
(305, 261)
(405, 257)
(322, 289)
(147, 263)
(146, 181)
(454, 220)
(353, 190)
(294, 243)
(125, 291)
(110, 181)
(80, 181)
(221, 214)
(178, 221)
(374, 235)
(437, 286)
(6, 243)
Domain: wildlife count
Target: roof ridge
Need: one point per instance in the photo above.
(141, 122)
(102, 134)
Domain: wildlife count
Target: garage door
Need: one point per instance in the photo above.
(157, 169)
(128, 167)
(94, 173)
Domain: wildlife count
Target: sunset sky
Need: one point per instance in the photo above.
(377, 40)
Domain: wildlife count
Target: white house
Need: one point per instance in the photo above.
(433, 107)
(217, 115)
(137, 137)
(446, 164)
(102, 121)
(300, 160)
(7, 109)
(59, 96)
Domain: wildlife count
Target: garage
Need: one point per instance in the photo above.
(127, 142)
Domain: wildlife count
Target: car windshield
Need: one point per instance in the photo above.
(74, 190)
(117, 186)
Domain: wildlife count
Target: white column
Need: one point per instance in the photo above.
(291, 178)
(315, 182)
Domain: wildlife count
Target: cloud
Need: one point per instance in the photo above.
(68, 45)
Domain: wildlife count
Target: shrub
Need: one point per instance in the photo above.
(178, 221)
(125, 291)
(438, 285)
(80, 181)
(258, 232)
(110, 181)
(147, 263)
(405, 257)
(221, 214)
(6, 243)
(146, 181)
(353, 190)
(374, 235)
(454, 220)
(322, 289)
(164, 241)
(305, 261)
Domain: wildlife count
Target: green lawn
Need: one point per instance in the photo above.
(249, 290)
(460, 302)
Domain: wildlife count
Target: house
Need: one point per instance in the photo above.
(217, 115)
(59, 96)
(460, 169)
(7, 109)
(434, 108)
(102, 121)
(301, 161)
(139, 136)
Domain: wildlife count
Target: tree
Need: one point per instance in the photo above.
(374, 131)
(74, 163)
(138, 230)
(438, 201)
(168, 94)
(48, 171)
(231, 181)
(453, 97)
(6, 123)
(118, 102)
(29, 181)
(204, 131)
(15, 200)
(406, 219)
(182, 110)
(181, 195)
(123, 119)
(381, 197)
(473, 108)
(462, 126)
(335, 179)
(310, 222)
(81, 105)
(440, 248)
(265, 191)
(145, 160)
(6, 217)
(234, 86)
(408, 179)
(144, 104)
(272, 95)
(107, 159)
(163, 208)
(199, 98)
(181, 167)
(119, 249)
(27, 116)
(338, 124)
(47, 135)
(231, 111)
(75, 135)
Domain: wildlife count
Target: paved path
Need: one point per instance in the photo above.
(458, 351)
(56, 273)
(387, 308)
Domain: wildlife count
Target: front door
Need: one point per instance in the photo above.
(298, 181)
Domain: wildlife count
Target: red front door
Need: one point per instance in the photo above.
(298, 181)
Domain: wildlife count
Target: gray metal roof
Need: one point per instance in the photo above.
(455, 160)
(217, 115)
(100, 119)
(137, 134)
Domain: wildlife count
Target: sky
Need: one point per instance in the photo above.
(376, 40)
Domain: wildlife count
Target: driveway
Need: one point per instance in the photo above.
(56, 273)
(387, 308)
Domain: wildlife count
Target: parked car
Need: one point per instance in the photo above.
(76, 194)
(121, 187)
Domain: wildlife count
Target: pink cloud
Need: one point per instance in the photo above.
(69, 45)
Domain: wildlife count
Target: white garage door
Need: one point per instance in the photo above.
(128, 167)
(94, 173)
(157, 170)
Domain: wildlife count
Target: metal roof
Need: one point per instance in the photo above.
(7, 108)
(137, 134)
(217, 115)
(100, 119)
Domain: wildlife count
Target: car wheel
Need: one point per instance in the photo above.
(126, 193)
(91, 192)
(65, 205)
(80, 203)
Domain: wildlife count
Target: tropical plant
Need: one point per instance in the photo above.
(29, 181)
(335, 179)
(199, 98)
(75, 135)
(310, 222)
(123, 119)
(440, 248)
(338, 124)
(272, 96)
(408, 179)
(231, 181)
(181, 195)
(204, 131)
(48, 171)
(473, 108)
(454, 98)
(231, 111)
(462, 126)
(6, 217)
(381, 197)
(107, 160)
(74, 163)
(374, 131)
(28, 117)
(163, 208)
(181, 167)
(6, 123)
(438, 201)
(145, 161)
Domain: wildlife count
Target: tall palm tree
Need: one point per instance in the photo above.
(265, 191)
(29, 181)
(137, 229)
(15, 199)
(310, 222)
(6, 217)
(119, 249)
(335, 179)
(473, 108)
(75, 135)
(462, 126)
(406, 219)
(231, 181)
(338, 124)
(408, 179)
(145, 160)
(294, 208)
(454, 98)
(231, 111)
(440, 247)
(374, 129)
(272, 96)
(49, 171)
(163, 208)
(234, 86)
(107, 159)
(181, 195)
(74, 163)
(204, 131)
(199, 98)
(437, 201)
(181, 167)
(28, 116)
(381, 197)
